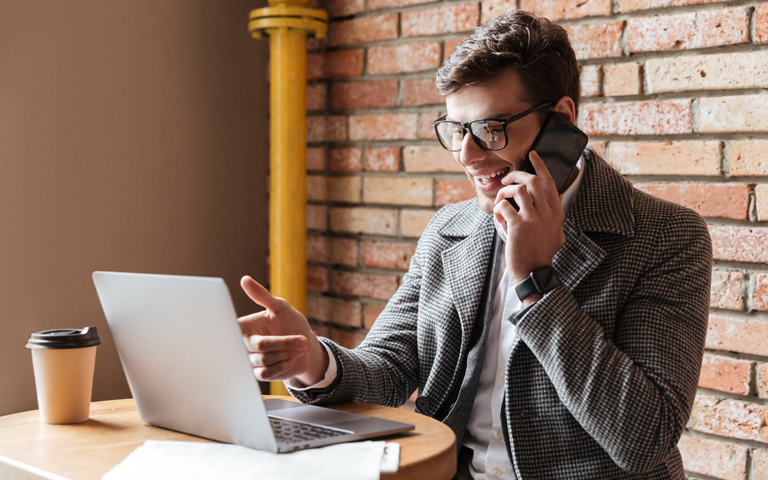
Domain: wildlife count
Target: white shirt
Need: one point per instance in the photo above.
(483, 434)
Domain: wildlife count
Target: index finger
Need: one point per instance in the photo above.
(550, 189)
(259, 294)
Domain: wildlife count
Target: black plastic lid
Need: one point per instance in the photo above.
(64, 338)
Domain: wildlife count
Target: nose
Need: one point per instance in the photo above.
(470, 152)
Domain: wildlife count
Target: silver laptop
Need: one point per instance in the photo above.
(188, 368)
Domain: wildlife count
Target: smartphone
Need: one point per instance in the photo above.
(559, 144)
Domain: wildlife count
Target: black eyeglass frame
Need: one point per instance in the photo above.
(468, 127)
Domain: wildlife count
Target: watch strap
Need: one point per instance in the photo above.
(541, 281)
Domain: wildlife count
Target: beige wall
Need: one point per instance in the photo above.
(133, 136)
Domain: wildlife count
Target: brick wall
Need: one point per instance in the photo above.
(674, 97)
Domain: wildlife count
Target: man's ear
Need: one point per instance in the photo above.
(566, 106)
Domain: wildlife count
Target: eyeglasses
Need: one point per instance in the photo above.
(489, 134)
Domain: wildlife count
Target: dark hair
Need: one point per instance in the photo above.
(535, 48)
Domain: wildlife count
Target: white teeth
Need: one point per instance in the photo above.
(486, 177)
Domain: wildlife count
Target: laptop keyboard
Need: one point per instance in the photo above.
(289, 431)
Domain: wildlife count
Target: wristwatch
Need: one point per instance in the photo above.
(540, 281)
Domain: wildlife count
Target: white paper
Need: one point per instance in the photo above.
(391, 459)
(205, 461)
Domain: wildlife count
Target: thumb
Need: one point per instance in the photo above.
(259, 294)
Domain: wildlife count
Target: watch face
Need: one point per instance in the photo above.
(545, 279)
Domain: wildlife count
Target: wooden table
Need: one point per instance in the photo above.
(32, 450)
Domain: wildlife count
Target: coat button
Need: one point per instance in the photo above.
(422, 403)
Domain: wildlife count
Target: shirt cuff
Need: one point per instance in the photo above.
(330, 375)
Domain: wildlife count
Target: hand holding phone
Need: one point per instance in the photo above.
(559, 143)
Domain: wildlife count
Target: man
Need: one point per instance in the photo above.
(589, 376)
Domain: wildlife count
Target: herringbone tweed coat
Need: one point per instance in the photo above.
(602, 378)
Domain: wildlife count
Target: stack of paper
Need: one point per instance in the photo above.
(202, 461)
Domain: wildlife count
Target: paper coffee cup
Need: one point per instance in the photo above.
(64, 361)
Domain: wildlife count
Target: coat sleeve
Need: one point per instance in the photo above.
(633, 392)
(383, 369)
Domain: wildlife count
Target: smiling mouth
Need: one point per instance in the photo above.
(486, 179)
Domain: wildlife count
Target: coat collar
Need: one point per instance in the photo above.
(605, 200)
(604, 203)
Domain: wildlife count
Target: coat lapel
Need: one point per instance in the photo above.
(581, 255)
(466, 263)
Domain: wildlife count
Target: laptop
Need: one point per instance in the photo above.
(187, 366)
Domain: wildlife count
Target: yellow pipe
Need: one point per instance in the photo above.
(287, 24)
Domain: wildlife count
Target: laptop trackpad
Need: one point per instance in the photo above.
(312, 414)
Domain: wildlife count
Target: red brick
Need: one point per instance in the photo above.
(393, 255)
(375, 94)
(334, 310)
(332, 250)
(761, 202)
(760, 295)
(403, 58)
(320, 329)
(429, 158)
(762, 380)
(334, 189)
(378, 4)
(317, 217)
(342, 63)
(426, 130)
(734, 113)
(371, 312)
(590, 80)
(596, 41)
(364, 220)
(559, 9)
(316, 158)
(761, 24)
(730, 418)
(386, 126)
(496, 8)
(315, 44)
(364, 284)
(326, 128)
(317, 96)
(435, 21)
(317, 279)
(738, 334)
(689, 158)
(720, 200)
(622, 79)
(347, 339)
(398, 190)
(726, 290)
(732, 71)
(726, 374)
(347, 159)
(760, 464)
(664, 117)
(740, 244)
(635, 5)
(413, 222)
(362, 30)
(421, 91)
(450, 45)
(704, 29)
(339, 8)
(748, 158)
(727, 461)
(598, 147)
(450, 190)
(382, 159)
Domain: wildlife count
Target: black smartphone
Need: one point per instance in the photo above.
(559, 143)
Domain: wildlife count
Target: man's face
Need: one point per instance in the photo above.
(497, 100)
